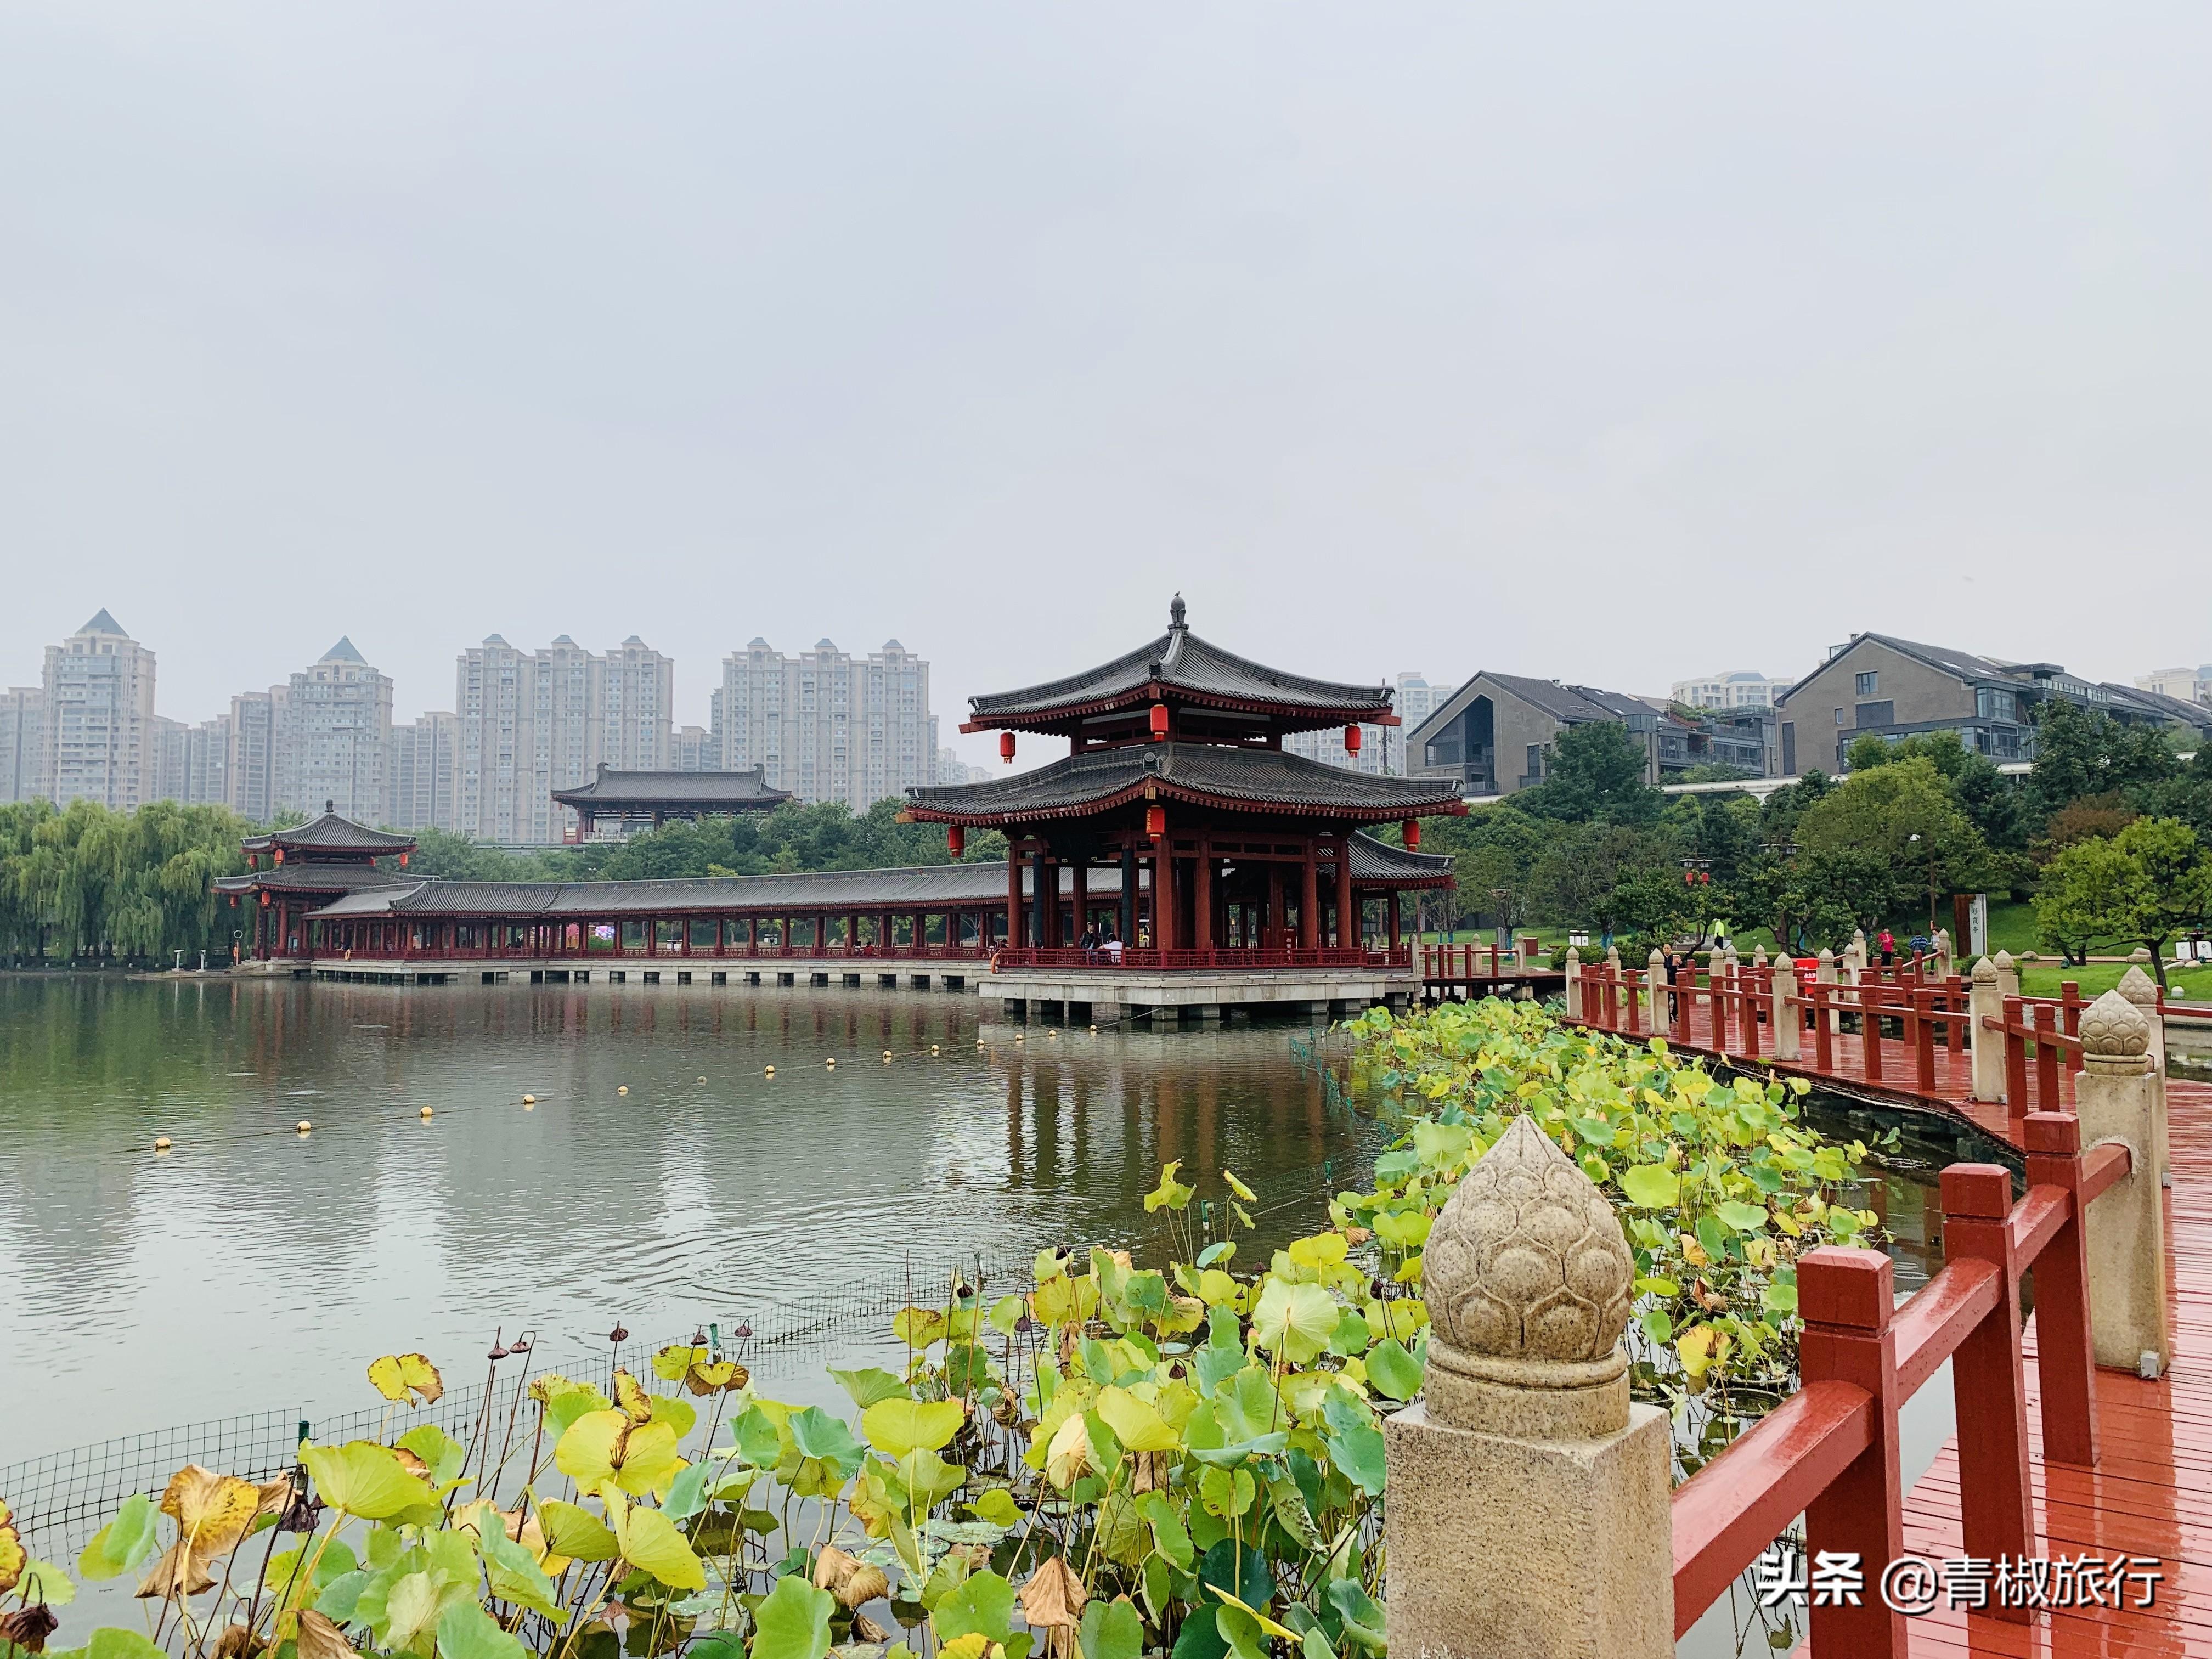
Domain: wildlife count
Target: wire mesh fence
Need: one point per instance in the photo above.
(61, 1498)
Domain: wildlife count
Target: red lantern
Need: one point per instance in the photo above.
(402, 860)
(253, 860)
(1410, 830)
(956, 840)
(1351, 739)
(1156, 822)
(1159, 722)
(265, 901)
(280, 855)
(1005, 746)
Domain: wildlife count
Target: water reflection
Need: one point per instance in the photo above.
(251, 1267)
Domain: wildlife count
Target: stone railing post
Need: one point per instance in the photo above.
(2008, 975)
(1787, 1019)
(2140, 989)
(1530, 1509)
(1823, 973)
(1942, 953)
(1654, 976)
(2115, 1097)
(1574, 983)
(1985, 999)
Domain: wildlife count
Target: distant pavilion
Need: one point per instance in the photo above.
(642, 800)
(1175, 768)
(291, 874)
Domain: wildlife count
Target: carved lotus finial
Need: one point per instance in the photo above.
(2114, 1028)
(1527, 1261)
(1986, 972)
(2138, 987)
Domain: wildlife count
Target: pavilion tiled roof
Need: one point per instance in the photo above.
(1178, 661)
(834, 892)
(307, 876)
(1214, 774)
(610, 788)
(329, 834)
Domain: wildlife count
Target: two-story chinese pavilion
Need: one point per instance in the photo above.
(292, 873)
(1175, 764)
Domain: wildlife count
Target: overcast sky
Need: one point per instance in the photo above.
(1615, 343)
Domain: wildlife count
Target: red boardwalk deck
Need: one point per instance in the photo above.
(2151, 1493)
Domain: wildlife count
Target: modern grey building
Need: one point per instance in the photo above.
(98, 716)
(826, 725)
(1496, 732)
(336, 738)
(1893, 688)
(422, 764)
(257, 741)
(191, 763)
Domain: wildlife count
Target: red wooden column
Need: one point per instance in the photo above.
(1201, 899)
(1163, 907)
(1271, 931)
(1845, 1297)
(2065, 1365)
(1390, 911)
(1987, 1376)
(1013, 893)
(1348, 913)
(1310, 898)
(1080, 875)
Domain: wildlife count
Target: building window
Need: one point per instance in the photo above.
(1869, 682)
(1876, 713)
(1839, 717)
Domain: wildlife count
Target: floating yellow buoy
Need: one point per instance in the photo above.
(702, 1079)
(1020, 1037)
(1094, 1028)
(887, 1054)
(621, 1088)
(771, 1070)
(161, 1143)
(530, 1100)
(304, 1125)
(933, 1048)
(831, 1062)
(427, 1112)
(1054, 1033)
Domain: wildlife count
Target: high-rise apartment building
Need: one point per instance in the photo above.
(98, 696)
(23, 743)
(694, 751)
(827, 725)
(1740, 689)
(335, 736)
(534, 722)
(421, 766)
(2189, 684)
(1382, 748)
(251, 778)
(191, 761)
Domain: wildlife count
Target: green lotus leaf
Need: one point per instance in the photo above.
(364, 1480)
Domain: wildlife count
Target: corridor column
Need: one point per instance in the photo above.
(1309, 900)
(1013, 893)
(1202, 904)
(1347, 911)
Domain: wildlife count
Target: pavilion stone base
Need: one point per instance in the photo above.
(1098, 995)
(795, 972)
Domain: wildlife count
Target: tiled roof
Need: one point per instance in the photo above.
(330, 833)
(747, 788)
(1182, 661)
(1263, 778)
(309, 876)
(833, 892)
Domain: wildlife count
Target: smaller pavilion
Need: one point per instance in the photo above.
(645, 801)
(290, 873)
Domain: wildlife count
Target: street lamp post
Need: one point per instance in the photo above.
(1785, 850)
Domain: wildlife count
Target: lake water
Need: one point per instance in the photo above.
(251, 1267)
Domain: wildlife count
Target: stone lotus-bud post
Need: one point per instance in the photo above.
(1786, 1017)
(1985, 1001)
(2141, 989)
(2115, 1096)
(1529, 1509)
(1573, 986)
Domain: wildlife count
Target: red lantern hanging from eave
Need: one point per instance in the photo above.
(1159, 722)
(279, 855)
(253, 860)
(265, 901)
(1005, 746)
(1411, 830)
(1351, 739)
(402, 860)
(1156, 822)
(956, 840)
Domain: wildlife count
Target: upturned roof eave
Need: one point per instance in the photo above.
(1301, 716)
(1165, 789)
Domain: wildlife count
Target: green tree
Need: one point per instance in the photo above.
(1595, 775)
(2147, 885)
(1621, 882)
(1881, 834)
(2079, 753)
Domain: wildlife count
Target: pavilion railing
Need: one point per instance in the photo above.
(1830, 1451)
(1230, 957)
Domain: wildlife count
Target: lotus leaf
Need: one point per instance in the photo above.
(577, 1532)
(672, 1363)
(651, 1543)
(1392, 1368)
(1171, 1194)
(997, 1506)
(867, 1387)
(631, 1399)
(982, 1604)
(1069, 1452)
(792, 1621)
(121, 1544)
(1294, 1321)
(397, 1375)
(896, 1427)
(364, 1480)
(467, 1631)
(919, 1328)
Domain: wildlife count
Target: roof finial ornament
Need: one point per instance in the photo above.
(328, 807)
(1175, 612)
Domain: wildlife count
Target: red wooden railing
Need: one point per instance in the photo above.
(1458, 963)
(1830, 1451)
(1219, 957)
